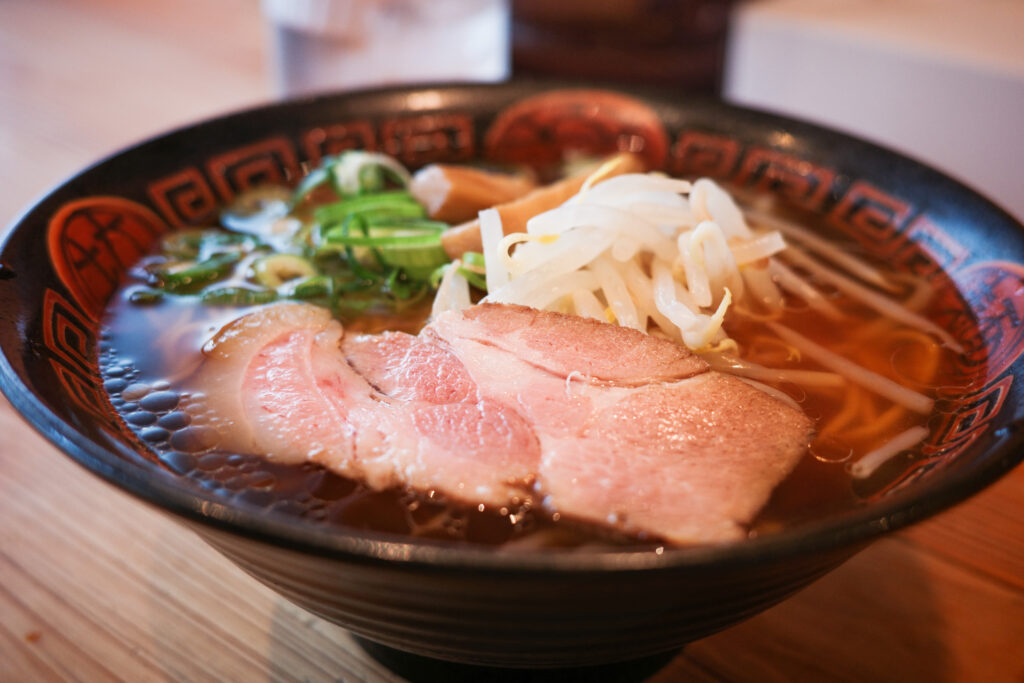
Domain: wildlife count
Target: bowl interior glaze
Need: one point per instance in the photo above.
(65, 256)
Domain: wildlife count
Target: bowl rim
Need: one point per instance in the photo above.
(853, 528)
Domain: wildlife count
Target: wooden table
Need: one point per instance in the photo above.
(96, 586)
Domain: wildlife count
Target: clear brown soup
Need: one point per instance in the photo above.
(146, 352)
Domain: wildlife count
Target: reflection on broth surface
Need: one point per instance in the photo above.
(149, 351)
(144, 365)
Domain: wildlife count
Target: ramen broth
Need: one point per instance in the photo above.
(148, 352)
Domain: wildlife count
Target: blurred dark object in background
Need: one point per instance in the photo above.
(658, 42)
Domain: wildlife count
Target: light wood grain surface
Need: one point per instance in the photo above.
(96, 586)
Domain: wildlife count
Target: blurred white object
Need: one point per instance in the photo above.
(940, 80)
(340, 44)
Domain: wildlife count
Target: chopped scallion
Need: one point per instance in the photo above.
(372, 247)
(277, 269)
(190, 279)
(238, 296)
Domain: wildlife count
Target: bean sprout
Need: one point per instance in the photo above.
(670, 257)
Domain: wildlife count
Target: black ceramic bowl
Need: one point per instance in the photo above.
(65, 256)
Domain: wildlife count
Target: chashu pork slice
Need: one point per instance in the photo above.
(636, 432)
(602, 423)
(692, 461)
(280, 386)
(487, 450)
(271, 376)
(567, 344)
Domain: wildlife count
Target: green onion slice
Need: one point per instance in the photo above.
(473, 260)
(317, 177)
(145, 297)
(192, 278)
(313, 288)
(275, 270)
(238, 296)
(373, 207)
(357, 172)
(474, 278)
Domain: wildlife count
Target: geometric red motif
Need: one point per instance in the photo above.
(67, 334)
(71, 341)
(994, 342)
(336, 138)
(698, 154)
(944, 252)
(266, 162)
(85, 393)
(963, 423)
(801, 182)
(542, 129)
(871, 217)
(94, 240)
(995, 292)
(427, 138)
(183, 198)
(969, 418)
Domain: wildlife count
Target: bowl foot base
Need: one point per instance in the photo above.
(415, 668)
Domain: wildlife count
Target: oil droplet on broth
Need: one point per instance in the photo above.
(828, 449)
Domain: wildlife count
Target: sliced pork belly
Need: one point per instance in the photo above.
(553, 404)
(489, 448)
(405, 367)
(568, 344)
(490, 405)
(281, 387)
(260, 382)
(691, 460)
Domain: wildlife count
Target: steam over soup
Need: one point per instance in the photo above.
(642, 362)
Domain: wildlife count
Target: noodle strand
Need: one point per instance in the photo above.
(855, 373)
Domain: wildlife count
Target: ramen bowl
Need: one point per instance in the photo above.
(63, 259)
